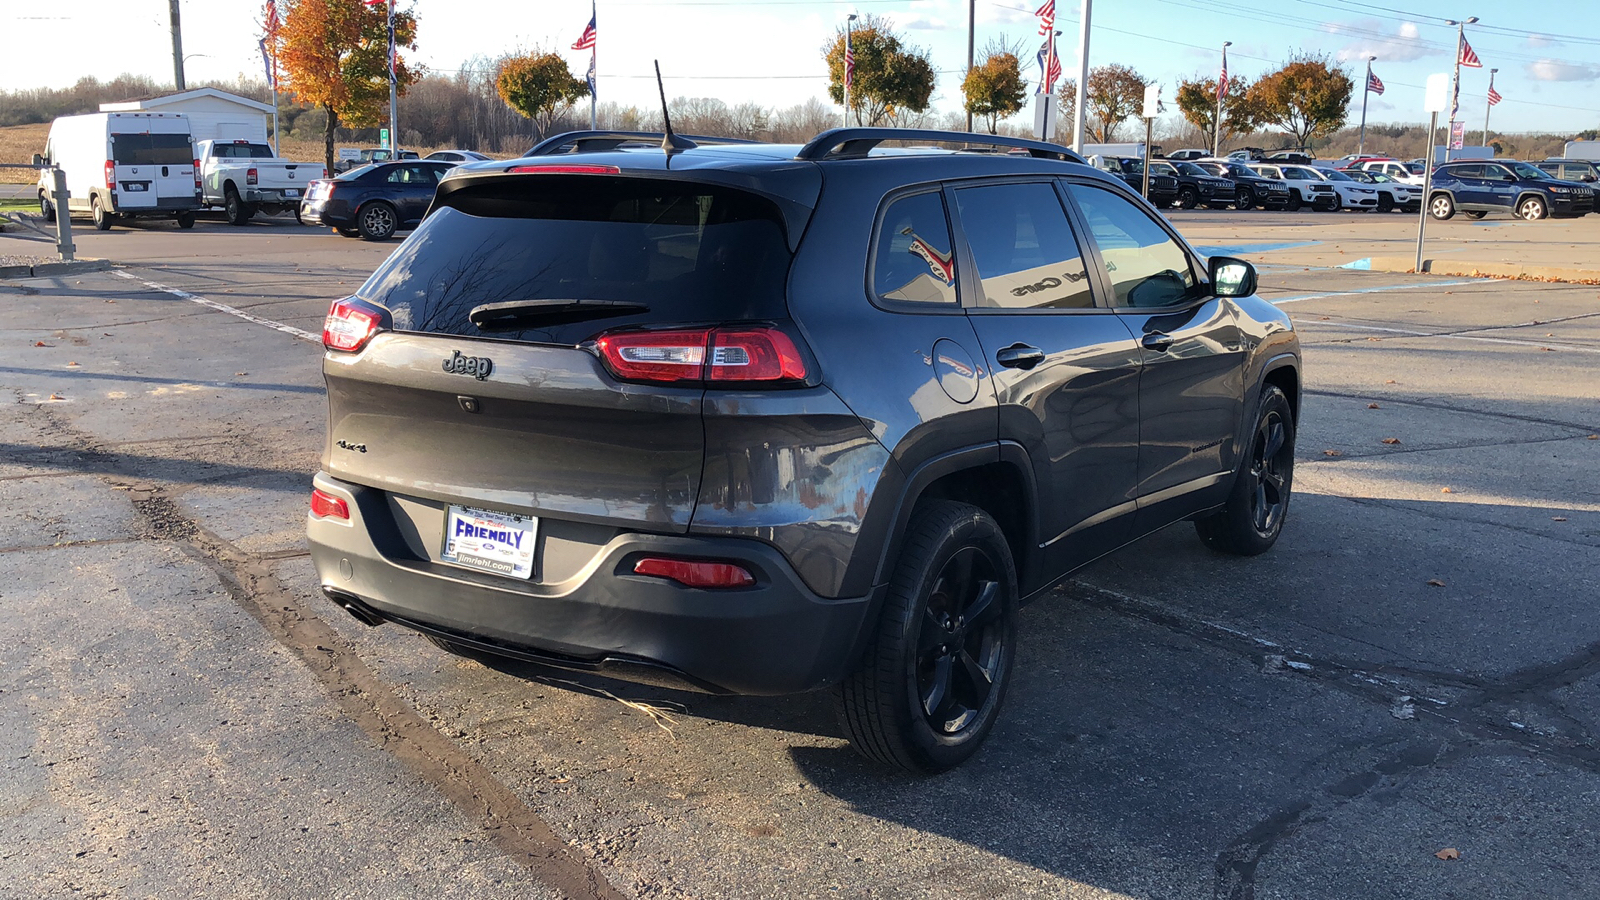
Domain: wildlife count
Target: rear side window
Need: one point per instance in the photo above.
(1146, 266)
(241, 151)
(687, 253)
(1024, 248)
(914, 262)
(152, 150)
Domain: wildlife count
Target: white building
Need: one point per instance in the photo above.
(213, 114)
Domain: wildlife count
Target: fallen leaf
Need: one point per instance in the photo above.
(1373, 406)
(1434, 582)
(57, 397)
(1446, 491)
(1391, 381)
(1449, 853)
(1550, 334)
(1331, 453)
(1322, 318)
(1374, 339)
(1593, 437)
(42, 344)
(238, 374)
(1550, 349)
(1558, 518)
(1391, 440)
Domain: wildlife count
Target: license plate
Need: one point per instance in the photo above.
(489, 541)
(135, 187)
(292, 192)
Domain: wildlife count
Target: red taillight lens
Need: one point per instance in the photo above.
(197, 175)
(755, 353)
(327, 506)
(251, 176)
(111, 175)
(567, 170)
(695, 573)
(349, 326)
(656, 355)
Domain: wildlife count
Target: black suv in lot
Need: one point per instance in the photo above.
(766, 419)
(1130, 171)
(1252, 188)
(1197, 185)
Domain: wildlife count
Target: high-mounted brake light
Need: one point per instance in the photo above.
(743, 354)
(111, 175)
(566, 170)
(251, 176)
(695, 573)
(349, 326)
(327, 506)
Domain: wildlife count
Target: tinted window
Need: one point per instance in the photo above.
(152, 150)
(690, 253)
(241, 151)
(1161, 168)
(914, 261)
(412, 175)
(1024, 248)
(1147, 267)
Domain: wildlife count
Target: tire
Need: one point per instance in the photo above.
(377, 221)
(1333, 205)
(1188, 197)
(347, 232)
(102, 219)
(297, 215)
(1294, 203)
(1475, 213)
(1251, 520)
(1442, 206)
(926, 651)
(45, 209)
(239, 212)
(1385, 203)
(1532, 209)
(1243, 200)
(186, 220)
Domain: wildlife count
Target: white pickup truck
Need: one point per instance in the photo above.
(243, 177)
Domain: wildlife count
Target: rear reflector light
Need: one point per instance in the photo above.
(748, 354)
(566, 170)
(252, 176)
(349, 326)
(327, 506)
(695, 573)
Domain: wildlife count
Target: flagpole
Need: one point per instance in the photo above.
(1361, 145)
(1455, 84)
(1082, 93)
(394, 99)
(849, 74)
(1222, 91)
(594, 65)
(1050, 88)
(1488, 106)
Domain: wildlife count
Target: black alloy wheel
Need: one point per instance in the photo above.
(1294, 202)
(1188, 197)
(1385, 202)
(931, 684)
(1243, 199)
(1251, 520)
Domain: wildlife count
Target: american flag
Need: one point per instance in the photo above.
(1494, 97)
(1047, 82)
(1047, 16)
(849, 61)
(587, 41)
(1468, 58)
(590, 78)
(272, 20)
(1222, 80)
(1374, 84)
(269, 45)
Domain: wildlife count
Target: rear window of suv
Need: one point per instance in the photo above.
(691, 253)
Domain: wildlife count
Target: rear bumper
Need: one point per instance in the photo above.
(332, 213)
(164, 206)
(776, 637)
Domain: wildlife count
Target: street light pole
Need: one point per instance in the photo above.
(1222, 90)
(1455, 84)
(1082, 95)
(1361, 144)
(177, 45)
(1488, 106)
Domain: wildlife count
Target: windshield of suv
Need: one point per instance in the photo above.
(673, 252)
(1337, 176)
(1189, 168)
(1524, 170)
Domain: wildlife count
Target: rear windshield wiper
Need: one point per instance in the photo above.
(514, 313)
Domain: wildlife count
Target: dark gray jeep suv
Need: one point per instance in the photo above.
(773, 418)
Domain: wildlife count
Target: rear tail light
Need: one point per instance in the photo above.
(746, 354)
(251, 176)
(197, 175)
(111, 175)
(693, 573)
(350, 325)
(327, 506)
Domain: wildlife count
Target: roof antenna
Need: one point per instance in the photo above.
(670, 143)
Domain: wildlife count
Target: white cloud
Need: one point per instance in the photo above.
(1540, 40)
(1556, 70)
(1401, 45)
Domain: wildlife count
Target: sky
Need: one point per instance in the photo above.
(769, 51)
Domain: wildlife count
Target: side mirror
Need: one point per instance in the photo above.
(1232, 277)
(38, 161)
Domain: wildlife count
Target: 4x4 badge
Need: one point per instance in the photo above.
(478, 367)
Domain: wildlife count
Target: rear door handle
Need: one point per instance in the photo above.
(1156, 340)
(1019, 356)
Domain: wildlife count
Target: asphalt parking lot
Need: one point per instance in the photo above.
(1415, 667)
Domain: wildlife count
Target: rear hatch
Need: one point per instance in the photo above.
(151, 166)
(484, 384)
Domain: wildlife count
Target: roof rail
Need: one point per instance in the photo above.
(596, 141)
(854, 143)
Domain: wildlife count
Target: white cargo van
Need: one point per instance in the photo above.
(124, 165)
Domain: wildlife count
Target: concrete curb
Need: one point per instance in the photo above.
(55, 269)
(1470, 269)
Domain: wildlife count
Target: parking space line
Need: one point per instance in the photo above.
(1464, 337)
(223, 307)
(1379, 290)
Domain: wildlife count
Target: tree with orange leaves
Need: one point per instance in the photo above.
(335, 54)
